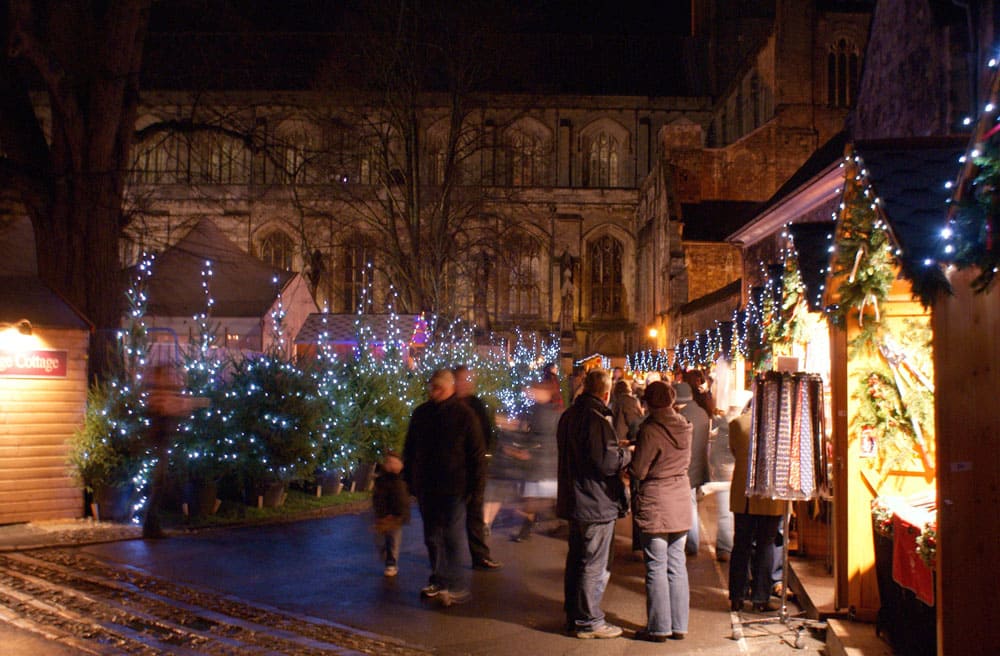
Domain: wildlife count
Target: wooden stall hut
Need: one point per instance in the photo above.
(883, 368)
(966, 321)
(342, 333)
(247, 295)
(43, 386)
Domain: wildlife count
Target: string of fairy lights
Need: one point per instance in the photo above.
(273, 418)
(970, 242)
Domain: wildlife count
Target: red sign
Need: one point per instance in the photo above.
(33, 364)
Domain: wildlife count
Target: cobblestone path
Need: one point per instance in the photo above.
(98, 608)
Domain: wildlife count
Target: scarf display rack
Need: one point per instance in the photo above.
(787, 461)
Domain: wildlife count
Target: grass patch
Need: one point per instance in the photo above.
(298, 505)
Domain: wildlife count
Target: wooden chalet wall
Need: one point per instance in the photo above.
(966, 380)
(37, 418)
(858, 480)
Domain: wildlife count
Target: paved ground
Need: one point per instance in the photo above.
(316, 586)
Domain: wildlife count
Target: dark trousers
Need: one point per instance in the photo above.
(443, 535)
(753, 555)
(475, 525)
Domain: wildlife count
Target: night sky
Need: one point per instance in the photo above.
(625, 17)
(537, 46)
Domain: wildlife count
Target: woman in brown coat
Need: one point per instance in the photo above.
(663, 513)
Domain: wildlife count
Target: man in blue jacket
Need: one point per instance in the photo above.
(591, 497)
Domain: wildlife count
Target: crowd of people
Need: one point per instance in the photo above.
(648, 447)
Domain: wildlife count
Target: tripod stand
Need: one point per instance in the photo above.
(791, 622)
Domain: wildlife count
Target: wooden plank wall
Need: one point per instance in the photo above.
(859, 480)
(967, 380)
(37, 418)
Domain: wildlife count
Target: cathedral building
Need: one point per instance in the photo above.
(584, 208)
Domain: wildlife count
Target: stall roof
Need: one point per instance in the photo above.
(27, 297)
(241, 285)
(908, 176)
(816, 182)
(326, 328)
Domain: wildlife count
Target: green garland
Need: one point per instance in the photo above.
(974, 222)
(863, 261)
(927, 544)
(889, 414)
(785, 325)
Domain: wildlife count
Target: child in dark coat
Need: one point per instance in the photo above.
(391, 503)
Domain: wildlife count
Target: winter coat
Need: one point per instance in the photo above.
(391, 497)
(626, 414)
(544, 461)
(590, 464)
(660, 466)
(698, 473)
(444, 454)
(486, 421)
(739, 442)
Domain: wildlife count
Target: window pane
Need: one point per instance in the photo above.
(276, 249)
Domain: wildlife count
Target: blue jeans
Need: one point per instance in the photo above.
(667, 593)
(691, 548)
(588, 568)
(444, 536)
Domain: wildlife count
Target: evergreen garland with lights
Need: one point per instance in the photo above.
(972, 228)
(863, 261)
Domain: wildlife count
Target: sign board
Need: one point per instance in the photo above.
(33, 364)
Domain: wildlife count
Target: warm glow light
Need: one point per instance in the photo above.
(653, 332)
(18, 337)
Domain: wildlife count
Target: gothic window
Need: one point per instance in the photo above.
(160, 161)
(603, 160)
(218, 159)
(606, 290)
(525, 272)
(368, 166)
(842, 69)
(357, 275)
(525, 159)
(289, 153)
(437, 167)
(276, 248)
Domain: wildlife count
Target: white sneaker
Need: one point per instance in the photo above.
(390, 570)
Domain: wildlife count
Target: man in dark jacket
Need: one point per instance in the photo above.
(475, 524)
(591, 497)
(442, 458)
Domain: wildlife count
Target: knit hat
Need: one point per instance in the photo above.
(684, 394)
(658, 395)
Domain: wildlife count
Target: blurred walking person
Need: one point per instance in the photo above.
(442, 459)
(475, 519)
